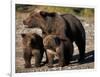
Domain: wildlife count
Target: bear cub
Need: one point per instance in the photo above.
(32, 46)
(55, 46)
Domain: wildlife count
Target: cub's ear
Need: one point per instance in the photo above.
(57, 40)
(23, 35)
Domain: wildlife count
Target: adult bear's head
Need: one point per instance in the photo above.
(38, 19)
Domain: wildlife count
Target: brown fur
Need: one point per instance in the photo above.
(64, 26)
(32, 46)
(56, 46)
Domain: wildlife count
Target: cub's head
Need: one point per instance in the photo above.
(31, 40)
(51, 42)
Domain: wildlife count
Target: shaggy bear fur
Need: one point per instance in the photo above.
(32, 46)
(63, 49)
(65, 26)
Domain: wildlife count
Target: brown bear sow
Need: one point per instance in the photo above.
(32, 46)
(64, 25)
(63, 49)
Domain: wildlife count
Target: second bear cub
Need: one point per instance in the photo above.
(63, 49)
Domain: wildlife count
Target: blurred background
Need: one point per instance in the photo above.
(87, 12)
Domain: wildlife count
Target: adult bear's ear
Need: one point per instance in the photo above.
(52, 14)
(23, 35)
(43, 13)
